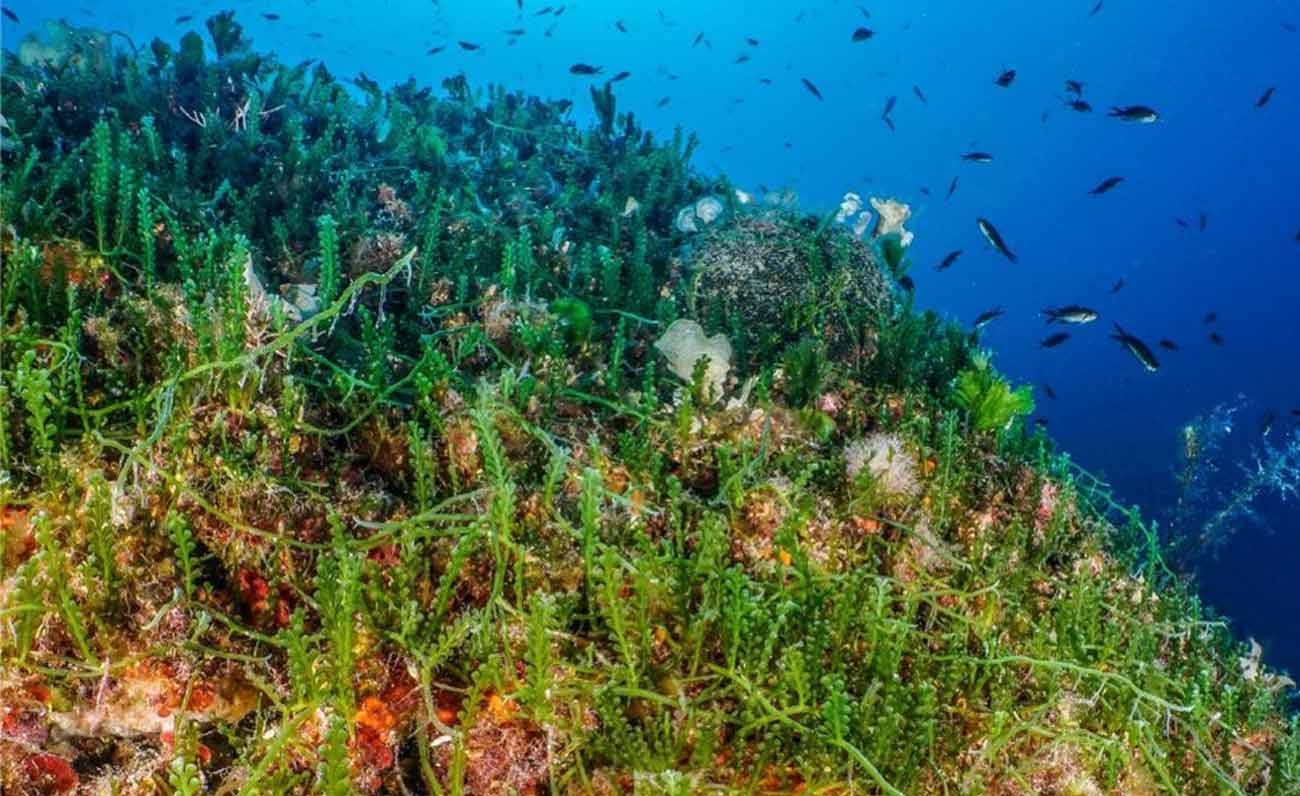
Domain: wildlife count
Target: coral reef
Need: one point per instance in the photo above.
(337, 457)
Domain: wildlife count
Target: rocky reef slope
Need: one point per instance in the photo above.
(359, 441)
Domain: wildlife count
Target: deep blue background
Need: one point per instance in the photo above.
(1202, 64)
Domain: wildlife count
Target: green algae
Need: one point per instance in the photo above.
(452, 532)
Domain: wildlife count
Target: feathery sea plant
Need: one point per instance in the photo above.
(989, 400)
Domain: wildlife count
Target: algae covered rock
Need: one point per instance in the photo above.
(771, 278)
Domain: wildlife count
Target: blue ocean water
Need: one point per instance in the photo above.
(1215, 158)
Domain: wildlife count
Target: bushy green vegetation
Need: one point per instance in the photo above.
(337, 458)
(989, 401)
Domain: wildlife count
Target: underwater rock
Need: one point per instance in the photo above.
(891, 214)
(777, 279)
(685, 342)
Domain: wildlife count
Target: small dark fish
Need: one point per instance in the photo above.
(920, 95)
(1182, 222)
(1266, 426)
(948, 260)
(1140, 114)
(952, 188)
(1096, 8)
(811, 88)
(469, 45)
(1202, 221)
(179, 20)
(316, 35)
(767, 81)
(560, 10)
(925, 190)
(1117, 287)
(1007, 77)
(435, 50)
(751, 41)
(1052, 341)
(977, 157)
(1079, 106)
(1265, 97)
(1137, 348)
(1216, 338)
(1074, 87)
(541, 12)
(1041, 422)
(1167, 344)
(699, 37)
(624, 75)
(988, 316)
(515, 32)
(907, 283)
(740, 59)
(663, 103)
(1295, 412)
(889, 123)
(862, 34)
(889, 107)
(272, 17)
(1210, 317)
(621, 27)
(992, 235)
(1289, 28)
(1048, 391)
(1106, 185)
(584, 69)
(11, 15)
(1070, 313)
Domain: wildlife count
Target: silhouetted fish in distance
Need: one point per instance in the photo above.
(1139, 114)
(1137, 348)
(948, 260)
(992, 235)
(1070, 313)
(987, 316)
(1106, 185)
